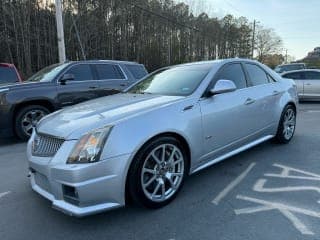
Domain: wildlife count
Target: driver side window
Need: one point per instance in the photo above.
(233, 72)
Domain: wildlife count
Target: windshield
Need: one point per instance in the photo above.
(8, 75)
(176, 81)
(47, 74)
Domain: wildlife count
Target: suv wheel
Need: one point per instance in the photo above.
(158, 172)
(28, 117)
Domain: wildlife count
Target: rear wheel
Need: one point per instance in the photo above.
(157, 173)
(26, 118)
(287, 125)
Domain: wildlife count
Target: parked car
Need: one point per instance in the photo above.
(289, 67)
(142, 144)
(58, 86)
(308, 83)
(9, 74)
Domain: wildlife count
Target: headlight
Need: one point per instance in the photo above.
(89, 147)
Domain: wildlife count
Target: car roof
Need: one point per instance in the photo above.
(290, 64)
(104, 61)
(301, 70)
(6, 65)
(218, 61)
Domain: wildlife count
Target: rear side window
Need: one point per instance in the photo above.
(295, 75)
(81, 72)
(234, 73)
(138, 71)
(256, 74)
(109, 71)
(312, 75)
(8, 75)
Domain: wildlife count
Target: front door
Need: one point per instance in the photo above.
(227, 118)
(82, 88)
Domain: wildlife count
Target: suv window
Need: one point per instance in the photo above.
(312, 75)
(295, 75)
(81, 72)
(137, 71)
(256, 74)
(8, 75)
(109, 71)
(234, 73)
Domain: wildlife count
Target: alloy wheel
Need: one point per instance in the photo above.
(30, 119)
(289, 123)
(162, 172)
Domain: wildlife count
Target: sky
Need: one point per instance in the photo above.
(297, 22)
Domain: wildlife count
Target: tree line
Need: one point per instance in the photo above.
(153, 32)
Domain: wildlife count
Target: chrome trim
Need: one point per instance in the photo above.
(5, 89)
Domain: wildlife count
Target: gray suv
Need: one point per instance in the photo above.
(23, 105)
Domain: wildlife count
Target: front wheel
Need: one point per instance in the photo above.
(287, 125)
(28, 117)
(157, 173)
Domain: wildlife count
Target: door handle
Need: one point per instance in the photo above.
(308, 84)
(249, 101)
(274, 93)
(123, 84)
(93, 87)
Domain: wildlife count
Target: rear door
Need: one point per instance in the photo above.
(266, 94)
(112, 78)
(83, 87)
(312, 84)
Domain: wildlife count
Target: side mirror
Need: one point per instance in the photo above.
(223, 86)
(66, 77)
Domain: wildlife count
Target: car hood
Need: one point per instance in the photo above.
(20, 85)
(72, 122)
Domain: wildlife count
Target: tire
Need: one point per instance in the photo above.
(152, 182)
(287, 125)
(26, 117)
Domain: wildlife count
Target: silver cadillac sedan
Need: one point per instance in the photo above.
(143, 143)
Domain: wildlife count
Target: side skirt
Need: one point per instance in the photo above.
(234, 152)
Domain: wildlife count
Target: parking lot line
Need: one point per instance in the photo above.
(232, 185)
(286, 210)
(4, 194)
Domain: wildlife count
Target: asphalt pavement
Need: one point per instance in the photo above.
(269, 192)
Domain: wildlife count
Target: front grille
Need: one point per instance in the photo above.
(45, 146)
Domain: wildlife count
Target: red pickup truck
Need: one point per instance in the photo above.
(9, 74)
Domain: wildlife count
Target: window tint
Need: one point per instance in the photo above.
(81, 72)
(256, 74)
(109, 71)
(137, 71)
(234, 73)
(8, 75)
(175, 81)
(312, 75)
(295, 75)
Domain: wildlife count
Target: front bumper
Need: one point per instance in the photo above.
(79, 189)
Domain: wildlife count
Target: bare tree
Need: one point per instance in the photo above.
(267, 42)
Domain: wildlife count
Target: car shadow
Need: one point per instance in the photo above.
(9, 141)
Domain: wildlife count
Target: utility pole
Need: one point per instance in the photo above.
(286, 55)
(60, 33)
(253, 37)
